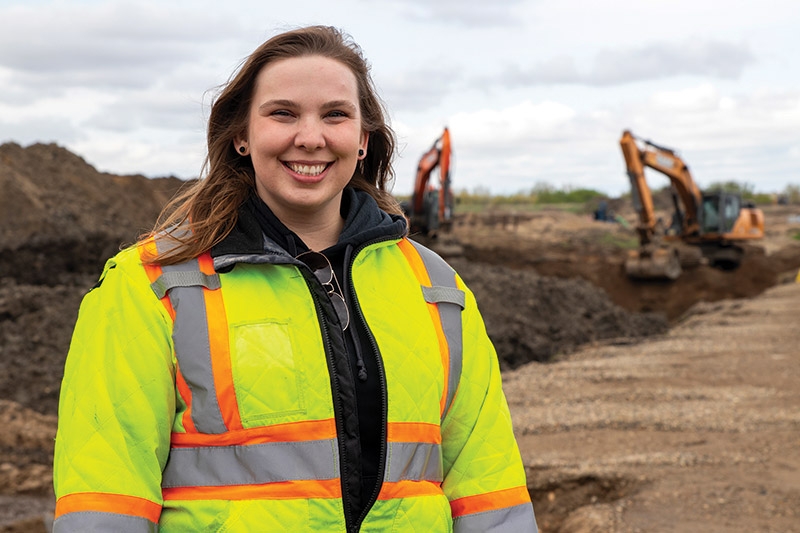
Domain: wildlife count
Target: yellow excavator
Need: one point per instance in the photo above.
(714, 222)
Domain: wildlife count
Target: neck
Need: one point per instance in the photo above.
(319, 237)
(319, 227)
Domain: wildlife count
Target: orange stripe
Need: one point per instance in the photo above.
(282, 490)
(186, 395)
(408, 489)
(291, 432)
(108, 503)
(148, 250)
(220, 349)
(418, 266)
(490, 501)
(414, 432)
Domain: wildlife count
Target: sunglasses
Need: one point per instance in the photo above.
(323, 271)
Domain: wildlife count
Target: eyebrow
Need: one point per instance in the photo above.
(289, 103)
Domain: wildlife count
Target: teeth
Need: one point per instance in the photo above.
(307, 170)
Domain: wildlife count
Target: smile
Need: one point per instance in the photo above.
(307, 170)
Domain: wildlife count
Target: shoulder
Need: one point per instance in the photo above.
(124, 273)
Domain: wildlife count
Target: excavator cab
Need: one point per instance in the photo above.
(719, 212)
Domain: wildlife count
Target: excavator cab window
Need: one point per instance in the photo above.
(709, 214)
(731, 206)
(720, 212)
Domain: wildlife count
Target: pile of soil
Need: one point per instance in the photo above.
(534, 318)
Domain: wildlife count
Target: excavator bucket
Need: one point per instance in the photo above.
(659, 263)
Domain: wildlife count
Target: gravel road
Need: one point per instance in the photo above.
(697, 430)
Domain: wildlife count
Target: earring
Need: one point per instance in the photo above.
(360, 152)
(242, 149)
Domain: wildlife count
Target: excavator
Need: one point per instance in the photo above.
(716, 222)
(430, 208)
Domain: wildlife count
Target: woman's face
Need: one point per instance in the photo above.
(303, 136)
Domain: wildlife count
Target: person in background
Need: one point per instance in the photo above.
(277, 355)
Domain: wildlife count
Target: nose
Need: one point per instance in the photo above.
(310, 134)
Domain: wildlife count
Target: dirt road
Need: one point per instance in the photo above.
(695, 431)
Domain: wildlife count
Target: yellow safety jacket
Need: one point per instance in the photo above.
(202, 398)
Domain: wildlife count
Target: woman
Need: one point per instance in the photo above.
(277, 356)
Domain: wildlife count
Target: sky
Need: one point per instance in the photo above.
(534, 92)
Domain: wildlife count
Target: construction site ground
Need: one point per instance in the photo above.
(638, 407)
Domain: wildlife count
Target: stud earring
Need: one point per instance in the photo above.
(360, 152)
(242, 149)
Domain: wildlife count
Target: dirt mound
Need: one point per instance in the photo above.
(535, 318)
(568, 246)
(59, 215)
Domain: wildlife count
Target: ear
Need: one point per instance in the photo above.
(363, 142)
(240, 145)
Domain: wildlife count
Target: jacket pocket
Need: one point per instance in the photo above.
(268, 380)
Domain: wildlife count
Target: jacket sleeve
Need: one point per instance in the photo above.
(484, 477)
(116, 407)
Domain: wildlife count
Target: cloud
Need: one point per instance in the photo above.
(35, 129)
(468, 13)
(114, 44)
(151, 109)
(652, 62)
(418, 89)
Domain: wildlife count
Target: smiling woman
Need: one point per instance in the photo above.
(277, 355)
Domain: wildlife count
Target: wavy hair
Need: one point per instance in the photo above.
(209, 208)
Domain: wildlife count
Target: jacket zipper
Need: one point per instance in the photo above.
(338, 415)
(382, 377)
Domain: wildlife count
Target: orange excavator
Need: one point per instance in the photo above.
(430, 208)
(715, 223)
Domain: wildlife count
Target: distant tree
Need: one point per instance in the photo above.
(792, 194)
(744, 189)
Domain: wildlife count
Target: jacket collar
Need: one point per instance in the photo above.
(260, 237)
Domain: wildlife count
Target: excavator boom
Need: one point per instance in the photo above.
(431, 207)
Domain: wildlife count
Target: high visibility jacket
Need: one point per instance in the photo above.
(197, 397)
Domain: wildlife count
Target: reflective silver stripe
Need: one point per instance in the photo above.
(414, 461)
(251, 465)
(99, 522)
(435, 295)
(193, 350)
(516, 519)
(172, 279)
(190, 335)
(444, 277)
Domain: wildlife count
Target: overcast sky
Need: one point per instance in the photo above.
(533, 91)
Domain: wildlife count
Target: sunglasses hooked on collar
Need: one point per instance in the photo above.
(321, 266)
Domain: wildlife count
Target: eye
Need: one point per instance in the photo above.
(281, 113)
(336, 116)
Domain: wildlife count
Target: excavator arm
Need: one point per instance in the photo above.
(667, 162)
(431, 207)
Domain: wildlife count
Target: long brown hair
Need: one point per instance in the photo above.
(210, 206)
